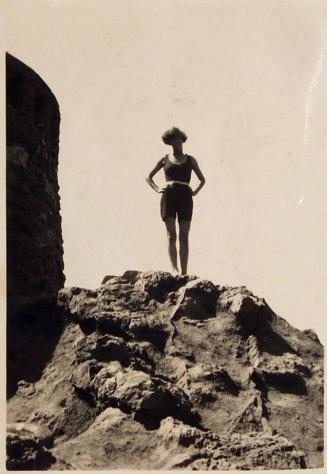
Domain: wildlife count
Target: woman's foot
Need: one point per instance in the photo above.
(175, 272)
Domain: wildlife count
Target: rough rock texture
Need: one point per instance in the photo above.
(153, 371)
(34, 241)
(26, 447)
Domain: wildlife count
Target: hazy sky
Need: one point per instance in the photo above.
(246, 80)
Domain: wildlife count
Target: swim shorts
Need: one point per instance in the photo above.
(177, 200)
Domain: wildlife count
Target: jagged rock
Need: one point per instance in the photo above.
(312, 335)
(41, 434)
(174, 445)
(117, 310)
(106, 348)
(190, 448)
(253, 418)
(158, 372)
(82, 377)
(101, 347)
(54, 402)
(199, 300)
(207, 381)
(149, 398)
(286, 373)
(114, 439)
(158, 285)
(27, 445)
(251, 312)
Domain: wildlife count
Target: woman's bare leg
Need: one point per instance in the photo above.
(172, 251)
(184, 229)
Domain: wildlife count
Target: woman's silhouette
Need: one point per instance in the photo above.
(177, 195)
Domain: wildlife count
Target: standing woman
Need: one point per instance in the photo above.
(177, 195)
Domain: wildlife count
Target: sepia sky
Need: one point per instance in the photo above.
(246, 80)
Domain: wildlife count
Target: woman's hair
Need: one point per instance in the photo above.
(174, 132)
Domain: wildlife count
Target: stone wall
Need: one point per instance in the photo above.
(34, 240)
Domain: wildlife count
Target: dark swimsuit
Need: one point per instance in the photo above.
(178, 198)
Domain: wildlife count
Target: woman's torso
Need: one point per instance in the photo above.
(178, 171)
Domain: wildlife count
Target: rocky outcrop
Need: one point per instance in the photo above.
(34, 240)
(153, 371)
(27, 445)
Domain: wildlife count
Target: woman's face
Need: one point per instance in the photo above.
(177, 141)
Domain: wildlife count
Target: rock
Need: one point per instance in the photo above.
(190, 448)
(26, 447)
(160, 372)
(251, 312)
(84, 374)
(310, 333)
(287, 374)
(207, 381)
(199, 300)
(114, 439)
(41, 434)
(104, 348)
(119, 310)
(158, 285)
(150, 399)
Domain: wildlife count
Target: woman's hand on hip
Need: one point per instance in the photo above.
(165, 187)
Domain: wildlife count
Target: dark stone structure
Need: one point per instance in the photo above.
(34, 239)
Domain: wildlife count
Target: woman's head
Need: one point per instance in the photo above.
(173, 134)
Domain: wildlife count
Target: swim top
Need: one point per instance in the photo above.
(178, 172)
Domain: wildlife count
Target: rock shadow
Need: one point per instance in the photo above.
(32, 335)
(286, 382)
(283, 382)
(271, 342)
(268, 340)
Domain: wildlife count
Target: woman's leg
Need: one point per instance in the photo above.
(184, 229)
(171, 234)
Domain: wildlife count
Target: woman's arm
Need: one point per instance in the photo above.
(199, 174)
(155, 170)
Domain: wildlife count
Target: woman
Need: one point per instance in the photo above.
(177, 195)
